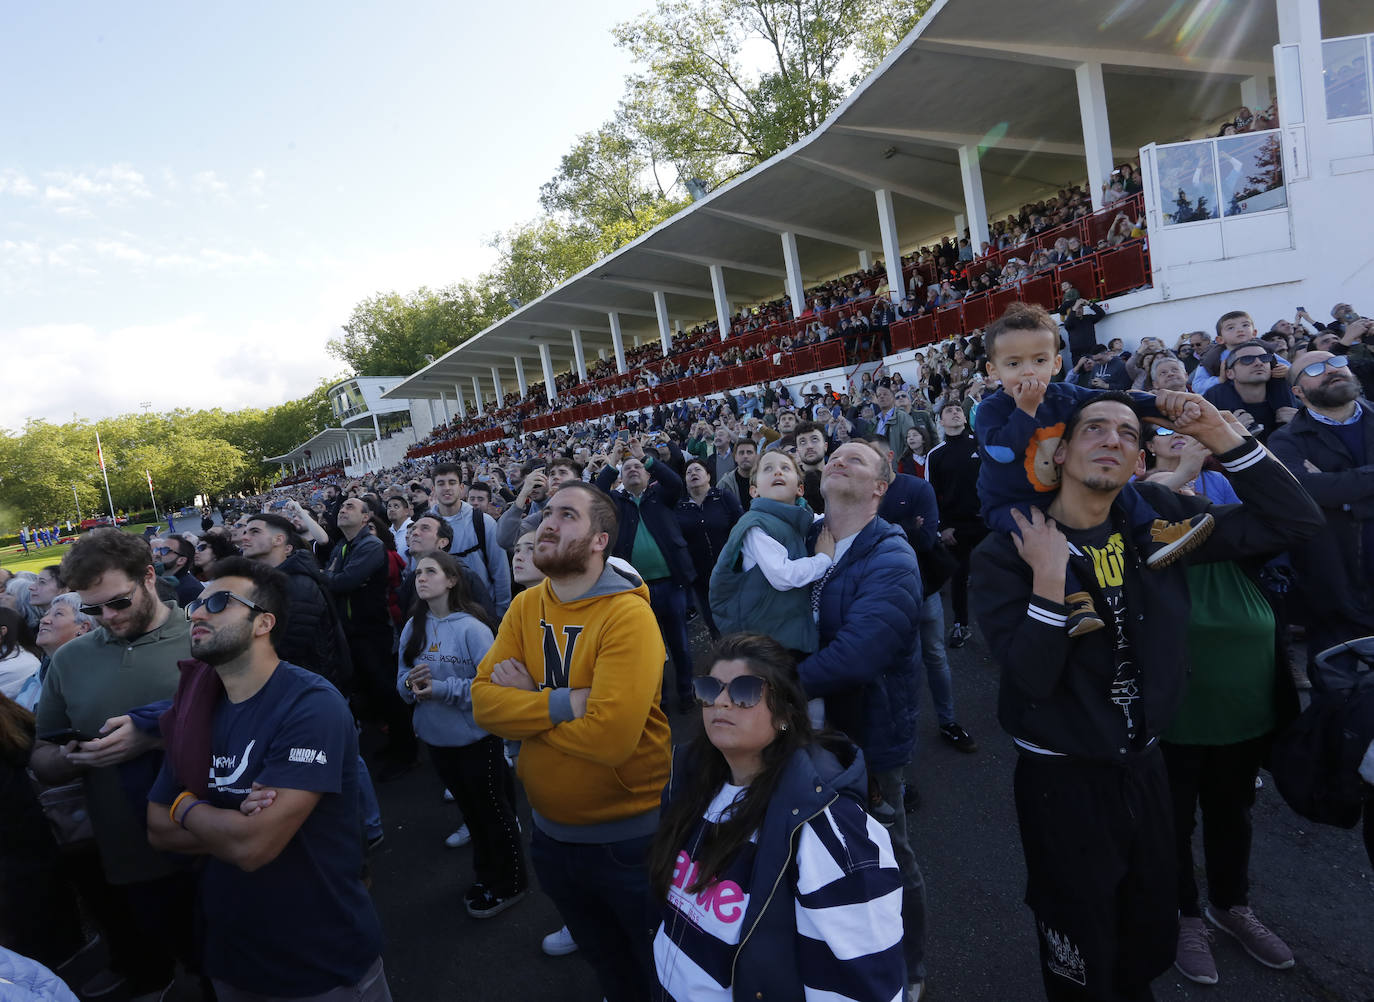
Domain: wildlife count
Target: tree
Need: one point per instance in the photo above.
(699, 96)
(390, 334)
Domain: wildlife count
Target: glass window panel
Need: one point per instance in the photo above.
(1345, 69)
(1187, 182)
(1251, 173)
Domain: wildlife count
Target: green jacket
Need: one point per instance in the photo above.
(744, 600)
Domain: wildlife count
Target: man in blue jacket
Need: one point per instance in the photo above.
(868, 606)
(651, 540)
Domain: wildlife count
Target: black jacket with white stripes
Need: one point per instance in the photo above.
(1055, 690)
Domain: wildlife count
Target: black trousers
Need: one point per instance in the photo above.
(480, 780)
(1099, 847)
(374, 682)
(1221, 780)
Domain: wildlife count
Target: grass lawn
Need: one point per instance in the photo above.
(13, 558)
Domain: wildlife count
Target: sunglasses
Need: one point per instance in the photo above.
(744, 690)
(1163, 431)
(218, 602)
(1334, 362)
(202, 547)
(1266, 359)
(114, 604)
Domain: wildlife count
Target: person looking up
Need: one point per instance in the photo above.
(474, 534)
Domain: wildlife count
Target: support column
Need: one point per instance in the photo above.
(1300, 24)
(791, 262)
(443, 406)
(433, 421)
(376, 428)
(618, 340)
(520, 377)
(722, 302)
(665, 330)
(579, 355)
(496, 382)
(1254, 93)
(865, 260)
(477, 396)
(462, 403)
(601, 354)
(550, 386)
(1097, 137)
(960, 224)
(892, 248)
(975, 206)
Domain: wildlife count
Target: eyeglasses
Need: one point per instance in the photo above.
(744, 690)
(1334, 362)
(1164, 431)
(202, 547)
(1266, 359)
(218, 602)
(114, 604)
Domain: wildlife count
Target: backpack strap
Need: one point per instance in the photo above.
(479, 529)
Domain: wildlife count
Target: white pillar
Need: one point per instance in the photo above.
(1300, 24)
(376, 428)
(865, 260)
(477, 395)
(443, 405)
(601, 354)
(433, 421)
(496, 382)
(618, 341)
(462, 403)
(1254, 93)
(635, 338)
(546, 360)
(722, 302)
(520, 377)
(579, 355)
(975, 206)
(1097, 137)
(665, 330)
(960, 224)
(892, 248)
(791, 262)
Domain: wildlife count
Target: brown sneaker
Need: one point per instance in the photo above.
(1171, 540)
(1083, 617)
(1194, 956)
(1240, 923)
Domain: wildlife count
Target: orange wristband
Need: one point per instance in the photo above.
(172, 811)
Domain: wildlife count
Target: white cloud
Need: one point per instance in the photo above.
(13, 182)
(117, 184)
(208, 183)
(257, 181)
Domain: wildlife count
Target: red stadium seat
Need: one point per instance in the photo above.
(949, 320)
(977, 312)
(923, 331)
(830, 355)
(1123, 269)
(1081, 274)
(1000, 300)
(1039, 290)
(900, 334)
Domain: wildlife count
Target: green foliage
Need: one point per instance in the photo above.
(390, 334)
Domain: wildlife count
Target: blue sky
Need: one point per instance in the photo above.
(193, 197)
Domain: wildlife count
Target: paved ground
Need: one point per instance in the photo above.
(1312, 884)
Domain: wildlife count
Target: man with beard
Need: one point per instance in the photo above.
(284, 910)
(574, 676)
(1329, 447)
(812, 446)
(143, 905)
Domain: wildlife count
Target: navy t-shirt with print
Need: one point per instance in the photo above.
(304, 923)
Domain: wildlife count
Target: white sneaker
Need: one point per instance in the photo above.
(459, 838)
(448, 795)
(560, 943)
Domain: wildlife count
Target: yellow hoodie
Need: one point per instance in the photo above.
(599, 777)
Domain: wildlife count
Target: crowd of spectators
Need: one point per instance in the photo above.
(532, 599)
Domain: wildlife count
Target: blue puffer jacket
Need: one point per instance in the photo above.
(866, 667)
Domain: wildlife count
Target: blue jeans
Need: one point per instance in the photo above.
(669, 602)
(602, 892)
(932, 623)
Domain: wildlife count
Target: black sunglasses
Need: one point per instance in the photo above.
(744, 690)
(1266, 359)
(114, 604)
(218, 602)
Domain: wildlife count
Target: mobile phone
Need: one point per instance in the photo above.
(65, 735)
(1302, 309)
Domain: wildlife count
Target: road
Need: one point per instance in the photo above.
(1310, 883)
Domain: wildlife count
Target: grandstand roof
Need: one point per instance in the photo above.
(987, 73)
(336, 437)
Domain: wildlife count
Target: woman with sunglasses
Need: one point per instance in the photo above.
(1235, 701)
(769, 878)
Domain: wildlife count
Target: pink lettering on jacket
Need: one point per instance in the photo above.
(723, 898)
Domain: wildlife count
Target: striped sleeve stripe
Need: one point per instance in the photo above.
(1046, 616)
(1245, 461)
(877, 977)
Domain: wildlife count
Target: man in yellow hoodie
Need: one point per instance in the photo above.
(574, 676)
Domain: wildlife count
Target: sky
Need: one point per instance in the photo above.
(193, 197)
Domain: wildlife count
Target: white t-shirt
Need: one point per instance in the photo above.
(15, 670)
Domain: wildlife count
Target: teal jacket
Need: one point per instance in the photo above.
(744, 600)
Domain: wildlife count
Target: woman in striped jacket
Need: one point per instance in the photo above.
(768, 874)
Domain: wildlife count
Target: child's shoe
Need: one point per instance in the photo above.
(1171, 540)
(1083, 617)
